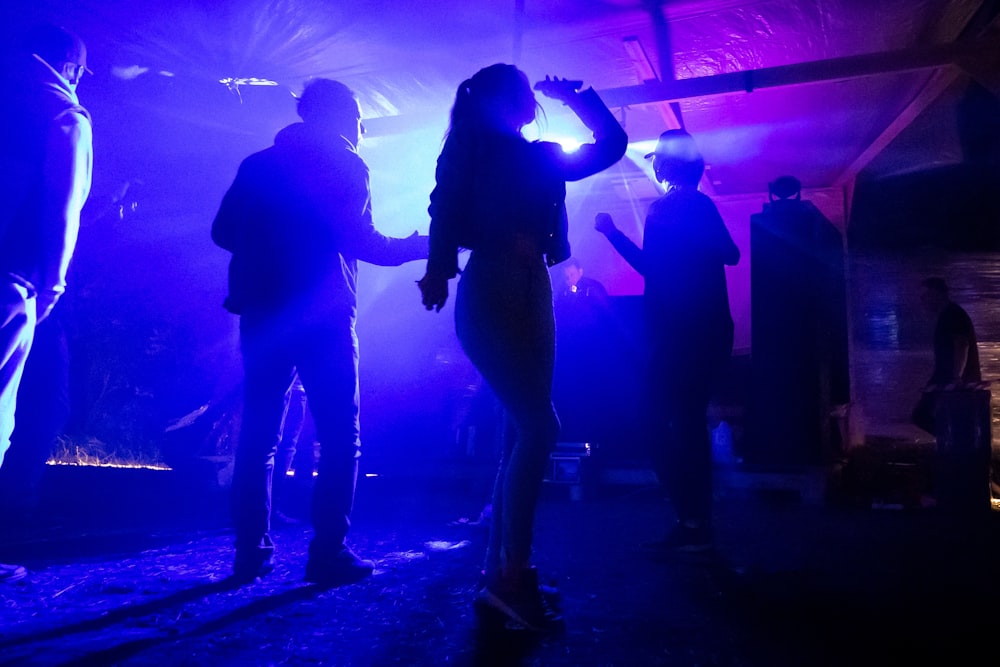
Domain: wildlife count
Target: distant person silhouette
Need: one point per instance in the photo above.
(297, 219)
(503, 197)
(47, 165)
(577, 287)
(956, 350)
(581, 380)
(686, 247)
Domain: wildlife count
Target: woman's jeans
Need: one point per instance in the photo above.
(504, 320)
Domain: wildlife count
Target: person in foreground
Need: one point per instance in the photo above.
(686, 247)
(503, 198)
(47, 169)
(297, 219)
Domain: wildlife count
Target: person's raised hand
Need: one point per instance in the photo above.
(564, 90)
(604, 224)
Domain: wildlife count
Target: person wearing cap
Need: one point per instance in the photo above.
(685, 250)
(297, 219)
(46, 166)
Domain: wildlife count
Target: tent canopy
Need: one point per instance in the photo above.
(810, 110)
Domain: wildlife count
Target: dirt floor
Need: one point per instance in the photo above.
(128, 567)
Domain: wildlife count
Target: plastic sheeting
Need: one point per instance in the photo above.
(166, 58)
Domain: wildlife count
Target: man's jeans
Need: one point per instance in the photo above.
(17, 329)
(326, 357)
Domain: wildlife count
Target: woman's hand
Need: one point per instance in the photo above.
(604, 224)
(564, 90)
(433, 291)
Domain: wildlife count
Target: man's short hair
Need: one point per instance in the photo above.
(55, 45)
(937, 284)
(325, 98)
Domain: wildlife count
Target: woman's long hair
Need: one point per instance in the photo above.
(496, 99)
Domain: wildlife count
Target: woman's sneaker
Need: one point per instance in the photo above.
(253, 564)
(525, 605)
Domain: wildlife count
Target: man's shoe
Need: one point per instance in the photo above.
(252, 564)
(525, 605)
(343, 567)
(11, 573)
(683, 539)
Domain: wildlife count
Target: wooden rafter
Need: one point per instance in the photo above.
(834, 69)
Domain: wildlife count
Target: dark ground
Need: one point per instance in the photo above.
(127, 567)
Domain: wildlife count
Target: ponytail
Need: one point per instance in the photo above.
(463, 108)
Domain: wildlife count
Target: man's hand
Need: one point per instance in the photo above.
(45, 301)
(433, 291)
(604, 224)
(420, 244)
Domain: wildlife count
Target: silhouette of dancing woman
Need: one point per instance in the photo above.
(503, 198)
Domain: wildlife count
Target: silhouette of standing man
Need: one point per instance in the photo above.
(47, 164)
(297, 219)
(582, 311)
(686, 247)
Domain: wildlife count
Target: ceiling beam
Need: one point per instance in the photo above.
(936, 85)
(644, 70)
(984, 65)
(834, 69)
(983, 22)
